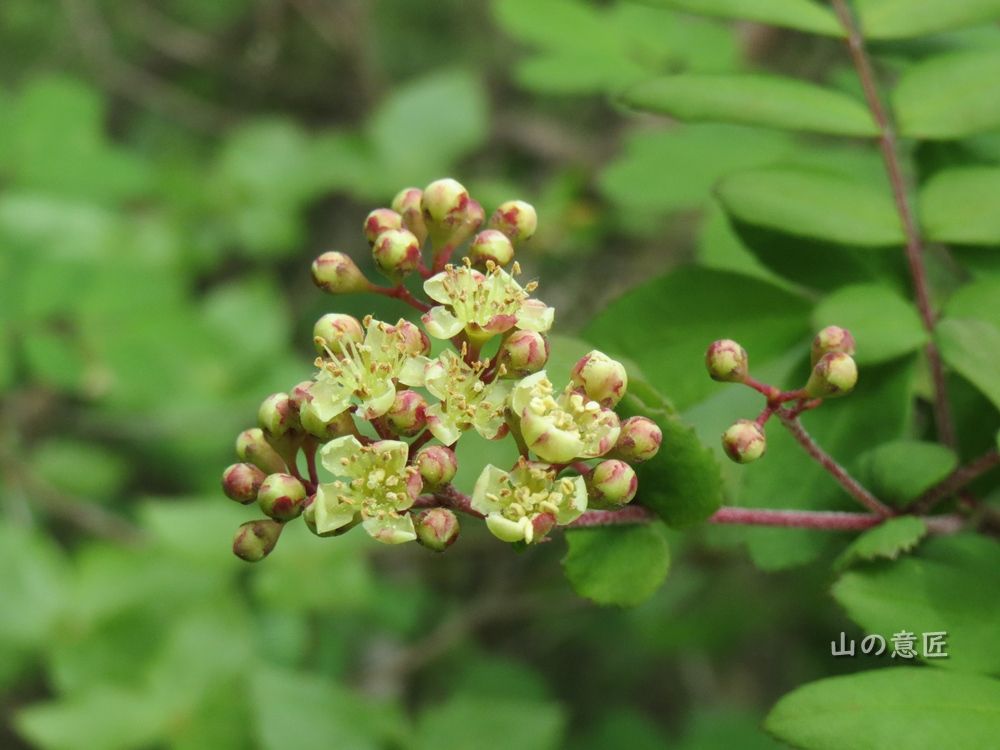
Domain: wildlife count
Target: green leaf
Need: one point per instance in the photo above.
(902, 470)
(691, 308)
(888, 709)
(765, 100)
(899, 19)
(889, 539)
(75, 467)
(979, 300)
(972, 348)
(884, 325)
(490, 723)
(949, 96)
(952, 208)
(949, 585)
(813, 204)
(33, 586)
(803, 15)
(621, 565)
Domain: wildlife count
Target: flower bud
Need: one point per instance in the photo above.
(726, 361)
(437, 465)
(831, 339)
(278, 415)
(240, 482)
(407, 204)
(381, 220)
(516, 219)
(252, 446)
(437, 528)
(340, 425)
(444, 203)
(523, 353)
(407, 415)
(336, 273)
(281, 496)
(612, 482)
(639, 440)
(415, 341)
(491, 245)
(396, 253)
(333, 328)
(254, 540)
(603, 379)
(835, 374)
(744, 442)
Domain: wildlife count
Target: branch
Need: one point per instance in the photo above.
(838, 472)
(955, 481)
(914, 242)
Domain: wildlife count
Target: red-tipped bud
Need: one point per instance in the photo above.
(516, 219)
(437, 528)
(603, 379)
(523, 353)
(407, 203)
(491, 245)
(336, 273)
(612, 483)
(726, 361)
(278, 416)
(444, 203)
(254, 540)
(744, 442)
(396, 253)
(835, 374)
(415, 341)
(407, 415)
(381, 220)
(831, 339)
(639, 440)
(241, 482)
(252, 447)
(281, 496)
(333, 328)
(437, 465)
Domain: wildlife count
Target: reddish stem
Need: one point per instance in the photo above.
(419, 441)
(955, 481)
(914, 242)
(400, 292)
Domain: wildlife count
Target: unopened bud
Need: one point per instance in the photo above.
(254, 540)
(407, 204)
(396, 253)
(491, 245)
(437, 465)
(333, 328)
(281, 496)
(336, 273)
(407, 415)
(381, 220)
(437, 528)
(612, 482)
(835, 374)
(523, 353)
(252, 446)
(726, 361)
(744, 442)
(639, 440)
(516, 219)
(415, 341)
(241, 482)
(278, 416)
(603, 379)
(444, 203)
(831, 339)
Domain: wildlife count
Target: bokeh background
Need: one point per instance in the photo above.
(167, 172)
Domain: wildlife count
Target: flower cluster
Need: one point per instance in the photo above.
(332, 448)
(834, 373)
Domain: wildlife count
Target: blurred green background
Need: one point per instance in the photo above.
(167, 172)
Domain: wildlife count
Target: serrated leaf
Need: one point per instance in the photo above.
(900, 19)
(948, 586)
(620, 565)
(888, 709)
(812, 204)
(953, 209)
(803, 15)
(949, 96)
(902, 470)
(889, 540)
(972, 348)
(764, 100)
(884, 325)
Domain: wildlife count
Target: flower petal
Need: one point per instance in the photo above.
(490, 482)
(549, 442)
(535, 315)
(507, 530)
(330, 396)
(413, 371)
(330, 512)
(441, 323)
(575, 504)
(525, 390)
(397, 452)
(434, 288)
(442, 425)
(380, 401)
(391, 530)
(333, 453)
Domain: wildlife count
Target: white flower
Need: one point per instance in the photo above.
(466, 402)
